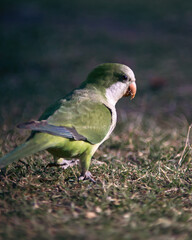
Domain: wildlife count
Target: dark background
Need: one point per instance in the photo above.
(48, 47)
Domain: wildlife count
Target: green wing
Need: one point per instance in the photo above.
(90, 119)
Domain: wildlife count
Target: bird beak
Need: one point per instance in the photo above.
(131, 91)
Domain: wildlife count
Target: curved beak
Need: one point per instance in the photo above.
(131, 91)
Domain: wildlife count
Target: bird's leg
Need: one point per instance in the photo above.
(61, 162)
(85, 174)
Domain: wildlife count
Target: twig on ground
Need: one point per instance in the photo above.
(187, 145)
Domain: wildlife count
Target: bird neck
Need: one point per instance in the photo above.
(115, 92)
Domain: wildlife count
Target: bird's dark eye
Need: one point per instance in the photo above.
(124, 77)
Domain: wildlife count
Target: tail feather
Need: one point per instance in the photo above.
(24, 150)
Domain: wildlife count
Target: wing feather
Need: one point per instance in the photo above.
(89, 117)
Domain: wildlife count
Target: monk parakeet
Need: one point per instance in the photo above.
(76, 125)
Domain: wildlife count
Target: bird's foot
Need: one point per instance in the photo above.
(64, 163)
(87, 176)
(67, 163)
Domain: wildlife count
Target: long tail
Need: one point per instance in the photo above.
(30, 147)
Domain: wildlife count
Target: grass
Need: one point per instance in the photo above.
(141, 191)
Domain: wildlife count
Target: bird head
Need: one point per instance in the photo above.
(113, 80)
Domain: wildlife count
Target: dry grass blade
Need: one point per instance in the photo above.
(187, 147)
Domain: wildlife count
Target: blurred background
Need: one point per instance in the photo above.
(47, 48)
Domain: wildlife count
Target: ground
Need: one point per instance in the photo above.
(142, 192)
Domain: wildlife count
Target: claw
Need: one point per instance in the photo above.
(63, 163)
(87, 176)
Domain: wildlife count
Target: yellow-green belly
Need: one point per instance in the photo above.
(64, 148)
(70, 149)
(61, 147)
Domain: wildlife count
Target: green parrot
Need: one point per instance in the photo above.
(76, 125)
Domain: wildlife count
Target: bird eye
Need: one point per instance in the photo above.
(124, 77)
